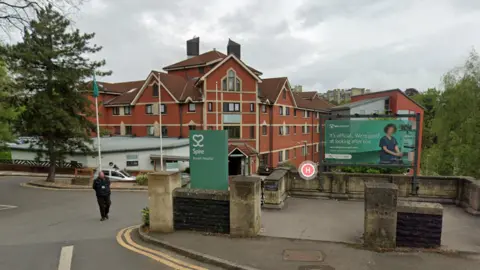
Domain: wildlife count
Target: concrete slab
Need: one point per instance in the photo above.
(342, 221)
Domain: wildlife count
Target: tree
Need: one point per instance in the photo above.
(8, 111)
(456, 123)
(429, 100)
(17, 14)
(51, 65)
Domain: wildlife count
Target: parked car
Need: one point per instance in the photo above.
(117, 175)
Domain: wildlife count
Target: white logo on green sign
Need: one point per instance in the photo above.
(197, 140)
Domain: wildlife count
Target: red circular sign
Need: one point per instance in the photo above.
(308, 169)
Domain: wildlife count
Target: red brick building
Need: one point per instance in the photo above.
(267, 122)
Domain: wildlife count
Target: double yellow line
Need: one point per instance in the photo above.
(155, 255)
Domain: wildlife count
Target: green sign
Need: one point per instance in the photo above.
(370, 141)
(209, 159)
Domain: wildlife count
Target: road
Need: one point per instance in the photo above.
(36, 224)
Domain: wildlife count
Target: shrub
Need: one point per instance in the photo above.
(187, 170)
(142, 179)
(146, 216)
(371, 170)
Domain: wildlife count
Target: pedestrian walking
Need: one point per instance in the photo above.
(101, 185)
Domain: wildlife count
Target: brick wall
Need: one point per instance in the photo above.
(201, 210)
(419, 230)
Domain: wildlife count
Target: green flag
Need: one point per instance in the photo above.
(95, 87)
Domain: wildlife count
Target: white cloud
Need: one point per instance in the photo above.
(321, 44)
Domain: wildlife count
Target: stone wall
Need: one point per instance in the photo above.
(274, 190)
(419, 224)
(463, 191)
(201, 210)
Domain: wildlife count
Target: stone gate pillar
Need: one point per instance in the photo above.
(160, 199)
(380, 215)
(245, 206)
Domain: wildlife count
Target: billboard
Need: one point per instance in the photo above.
(370, 141)
(209, 159)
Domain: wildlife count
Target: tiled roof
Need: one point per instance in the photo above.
(358, 103)
(180, 87)
(316, 103)
(120, 87)
(244, 148)
(202, 60)
(124, 99)
(270, 88)
(307, 95)
(198, 60)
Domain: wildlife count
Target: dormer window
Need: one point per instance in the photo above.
(231, 82)
(155, 90)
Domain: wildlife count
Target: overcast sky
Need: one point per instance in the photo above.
(320, 44)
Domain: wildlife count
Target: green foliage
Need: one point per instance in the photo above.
(146, 216)
(5, 155)
(288, 164)
(371, 170)
(50, 67)
(429, 100)
(187, 170)
(142, 179)
(8, 110)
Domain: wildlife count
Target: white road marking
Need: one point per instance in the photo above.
(5, 206)
(66, 258)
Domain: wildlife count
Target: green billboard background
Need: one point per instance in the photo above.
(358, 141)
(209, 159)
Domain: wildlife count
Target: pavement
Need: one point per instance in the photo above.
(121, 186)
(342, 221)
(37, 226)
(286, 254)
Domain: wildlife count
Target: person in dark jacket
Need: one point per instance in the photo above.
(101, 185)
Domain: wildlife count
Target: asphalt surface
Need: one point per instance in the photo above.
(33, 233)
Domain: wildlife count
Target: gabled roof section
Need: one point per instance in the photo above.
(244, 148)
(308, 95)
(270, 88)
(358, 103)
(316, 103)
(125, 99)
(199, 60)
(205, 59)
(116, 88)
(231, 56)
(179, 88)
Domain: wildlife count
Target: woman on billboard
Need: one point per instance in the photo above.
(389, 153)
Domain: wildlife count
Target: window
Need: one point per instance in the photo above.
(252, 132)
(318, 129)
(127, 110)
(117, 174)
(155, 90)
(281, 110)
(163, 108)
(308, 129)
(231, 82)
(316, 148)
(150, 130)
(304, 150)
(287, 111)
(280, 130)
(210, 106)
(294, 150)
(128, 130)
(116, 130)
(164, 131)
(116, 111)
(252, 107)
(264, 130)
(287, 154)
(284, 94)
(233, 132)
(192, 127)
(308, 113)
(294, 130)
(287, 130)
(387, 105)
(231, 107)
(132, 161)
(280, 156)
(201, 70)
(191, 107)
(149, 109)
(295, 112)
(264, 108)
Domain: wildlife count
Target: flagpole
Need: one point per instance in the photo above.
(216, 105)
(98, 136)
(160, 119)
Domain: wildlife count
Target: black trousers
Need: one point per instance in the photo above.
(104, 205)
